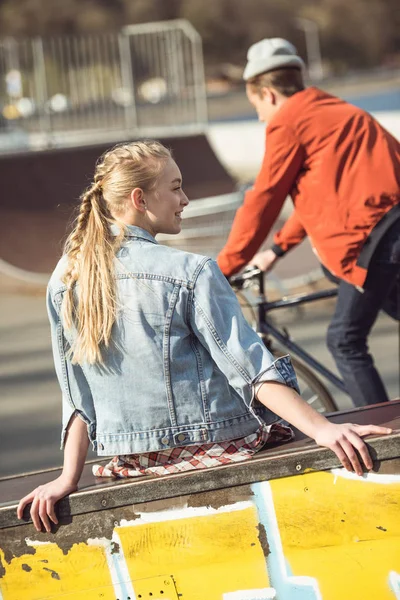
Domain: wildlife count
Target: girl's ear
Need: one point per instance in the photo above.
(138, 201)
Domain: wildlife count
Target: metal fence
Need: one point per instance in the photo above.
(147, 79)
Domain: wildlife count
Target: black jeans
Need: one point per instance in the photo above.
(355, 314)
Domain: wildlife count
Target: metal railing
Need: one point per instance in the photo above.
(145, 80)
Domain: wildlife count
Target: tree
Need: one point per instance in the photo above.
(353, 34)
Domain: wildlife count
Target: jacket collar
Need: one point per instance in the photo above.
(131, 231)
(294, 105)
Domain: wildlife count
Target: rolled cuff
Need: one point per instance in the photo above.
(281, 371)
(70, 412)
(278, 250)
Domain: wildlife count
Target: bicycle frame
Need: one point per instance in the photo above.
(267, 328)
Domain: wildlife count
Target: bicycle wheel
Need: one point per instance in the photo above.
(312, 390)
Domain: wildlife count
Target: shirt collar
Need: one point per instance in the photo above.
(131, 231)
(294, 105)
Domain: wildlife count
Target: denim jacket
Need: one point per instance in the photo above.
(183, 361)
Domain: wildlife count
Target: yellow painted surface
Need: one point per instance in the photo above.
(82, 574)
(156, 588)
(207, 555)
(345, 534)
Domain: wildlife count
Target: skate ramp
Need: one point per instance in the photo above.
(41, 191)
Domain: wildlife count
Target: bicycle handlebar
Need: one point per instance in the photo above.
(253, 273)
(238, 281)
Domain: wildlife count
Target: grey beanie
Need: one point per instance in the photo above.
(270, 54)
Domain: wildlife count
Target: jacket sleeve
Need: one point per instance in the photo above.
(291, 234)
(76, 394)
(218, 322)
(282, 162)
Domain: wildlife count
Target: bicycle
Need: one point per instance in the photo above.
(311, 388)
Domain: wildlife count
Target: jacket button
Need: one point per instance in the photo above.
(181, 437)
(165, 441)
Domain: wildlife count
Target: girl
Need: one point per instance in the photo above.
(155, 361)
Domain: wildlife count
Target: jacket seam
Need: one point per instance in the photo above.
(222, 345)
(200, 372)
(60, 342)
(153, 276)
(130, 235)
(195, 427)
(134, 275)
(166, 353)
(199, 268)
(199, 364)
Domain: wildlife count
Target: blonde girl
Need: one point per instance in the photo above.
(156, 364)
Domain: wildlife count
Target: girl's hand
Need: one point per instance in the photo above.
(43, 499)
(345, 439)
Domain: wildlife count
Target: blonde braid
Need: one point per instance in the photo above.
(91, 247)
(72, 249)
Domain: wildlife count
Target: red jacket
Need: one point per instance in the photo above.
(342, 170)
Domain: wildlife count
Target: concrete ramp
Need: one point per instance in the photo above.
(40, 191)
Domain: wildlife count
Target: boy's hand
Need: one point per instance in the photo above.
(264, 260)
(43, 499)
(345, 439)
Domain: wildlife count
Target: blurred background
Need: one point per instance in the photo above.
(75, 78)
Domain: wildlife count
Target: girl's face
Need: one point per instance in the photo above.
(165, 202)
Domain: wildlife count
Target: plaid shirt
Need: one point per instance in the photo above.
(187, 458)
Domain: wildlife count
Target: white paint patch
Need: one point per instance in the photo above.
(263, 594)
(120, 576)
(185, 512)
(34, 543)
(287, 587)
(103, 542)
(116, 562)
(368, 477)
(394, 583)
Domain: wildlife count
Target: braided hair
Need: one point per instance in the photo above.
(91, 246)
